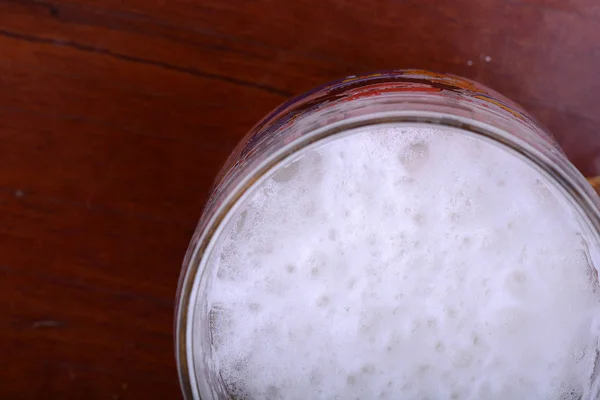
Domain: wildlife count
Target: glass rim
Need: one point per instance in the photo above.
(567, 178)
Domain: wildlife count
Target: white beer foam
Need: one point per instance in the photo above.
(405, 263)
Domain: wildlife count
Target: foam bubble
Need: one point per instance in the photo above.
(405, 263)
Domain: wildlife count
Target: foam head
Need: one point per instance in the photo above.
(405, 262)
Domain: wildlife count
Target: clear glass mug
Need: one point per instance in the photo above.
(399, 97)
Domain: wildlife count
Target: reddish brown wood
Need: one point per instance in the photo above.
(116, 115)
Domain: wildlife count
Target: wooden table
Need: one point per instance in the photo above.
(116, 115)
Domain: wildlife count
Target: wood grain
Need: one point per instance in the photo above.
(115, 117)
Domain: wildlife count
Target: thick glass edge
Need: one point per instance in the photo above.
(568, 178)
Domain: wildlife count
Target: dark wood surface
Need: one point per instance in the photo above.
(115, 116)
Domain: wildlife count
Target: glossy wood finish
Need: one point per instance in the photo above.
(116, 115)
